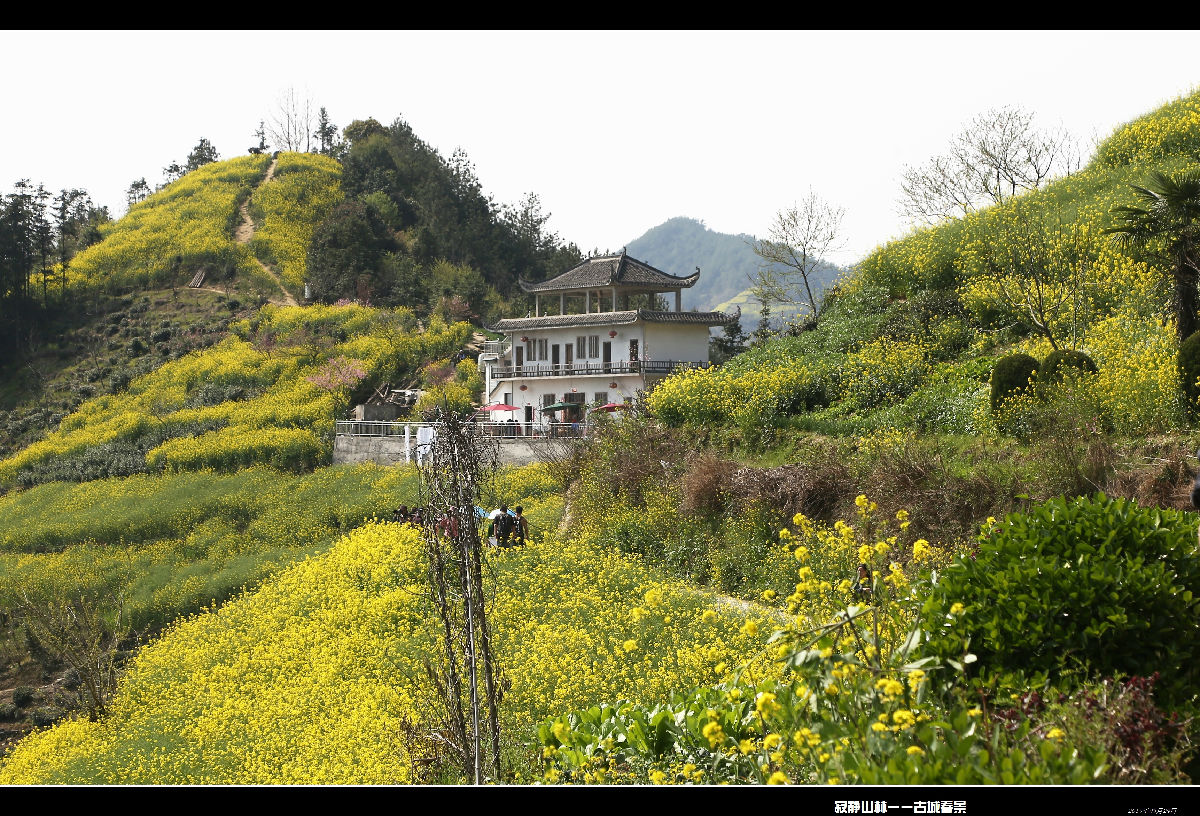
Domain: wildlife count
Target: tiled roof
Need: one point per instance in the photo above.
(610, 319)
(611, 270)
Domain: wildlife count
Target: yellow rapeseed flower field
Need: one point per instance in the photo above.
(310, 678)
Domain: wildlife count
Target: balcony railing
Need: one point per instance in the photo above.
(495, 347)
(663, 367)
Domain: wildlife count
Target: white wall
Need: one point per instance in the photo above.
(656, 341)
(667, 341)
(536, 387)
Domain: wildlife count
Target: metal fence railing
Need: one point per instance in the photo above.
(366, 428)
(491, 428)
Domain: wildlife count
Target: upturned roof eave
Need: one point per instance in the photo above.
(596, 319)
(614, 278)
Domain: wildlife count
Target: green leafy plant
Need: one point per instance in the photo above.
(1093, 584)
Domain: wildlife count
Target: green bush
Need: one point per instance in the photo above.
(1058, 363)
(23, 696)
(1093, 584)
(1189, 370)
(1011, 374)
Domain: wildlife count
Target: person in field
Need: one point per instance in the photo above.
(521, 534)
(502, 527)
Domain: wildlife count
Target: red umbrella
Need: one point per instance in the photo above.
(500, 406)
(610, 407)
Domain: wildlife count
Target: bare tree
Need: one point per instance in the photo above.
(291, 123)
(85, 631)
(799, 239)
(996, 156)
(467, 677)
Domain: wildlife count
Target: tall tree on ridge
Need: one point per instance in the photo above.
(261, 135)
(996, 156)
(138, 191)
(326, 134)
(202, 154)
(71, 209)
(43, 234)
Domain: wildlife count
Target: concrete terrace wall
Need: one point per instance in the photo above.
(389, 450)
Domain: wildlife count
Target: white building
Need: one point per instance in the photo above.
(586, 345)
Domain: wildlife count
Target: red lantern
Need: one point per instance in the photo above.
(524, 339)
(612, 333)
(612, 385)
(524, 387)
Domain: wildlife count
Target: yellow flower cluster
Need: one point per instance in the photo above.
(883, 371)
(713, 395)
(1138, 385)
(303, 190)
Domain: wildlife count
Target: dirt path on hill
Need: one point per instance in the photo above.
(245, 231)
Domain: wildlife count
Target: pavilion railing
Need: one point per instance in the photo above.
(663, 367)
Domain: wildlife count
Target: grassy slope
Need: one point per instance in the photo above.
(312, 677)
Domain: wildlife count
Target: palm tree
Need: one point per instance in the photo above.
(1167, 225)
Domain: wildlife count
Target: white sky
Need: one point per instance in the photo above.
(615, 131)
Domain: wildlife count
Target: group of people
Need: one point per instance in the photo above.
(509, 427)
(405, 516)
(506, 528)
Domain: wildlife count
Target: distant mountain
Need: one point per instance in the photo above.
(726, 263)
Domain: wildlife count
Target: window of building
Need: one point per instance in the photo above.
(601, 397)
(581, 346)
(594, 346)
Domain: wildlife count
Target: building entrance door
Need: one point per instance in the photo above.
(607, 357)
